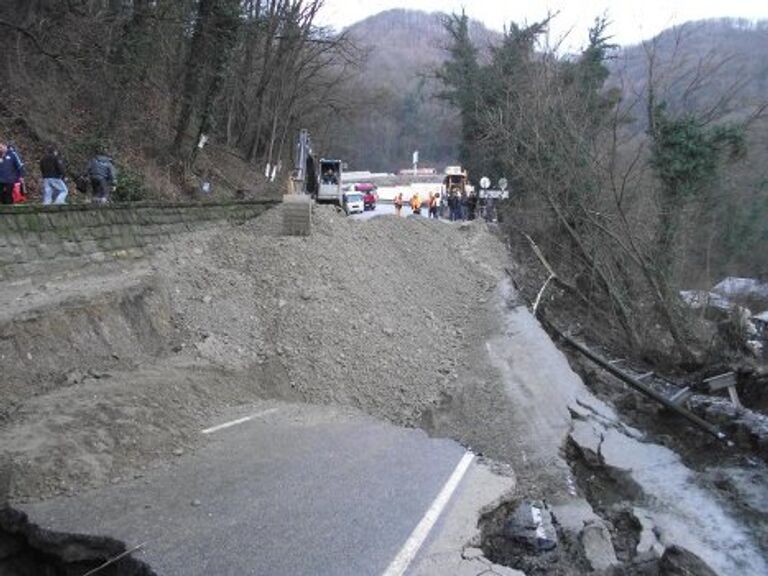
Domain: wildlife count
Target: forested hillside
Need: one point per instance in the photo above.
(147, 79)
(397, 109)
(701, 63)
(636, 176)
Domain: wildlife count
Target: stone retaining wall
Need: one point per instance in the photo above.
(34, 239)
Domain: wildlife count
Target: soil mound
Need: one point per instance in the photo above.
(370, 314)
(379, 315)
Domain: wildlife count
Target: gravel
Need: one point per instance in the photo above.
(372, 314)
(381, 315)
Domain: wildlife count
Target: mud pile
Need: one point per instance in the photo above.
(374, 314)
(379, 315)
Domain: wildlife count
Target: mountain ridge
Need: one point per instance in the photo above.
(400, 112)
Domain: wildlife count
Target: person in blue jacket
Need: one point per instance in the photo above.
(11, 172)
(103, 176)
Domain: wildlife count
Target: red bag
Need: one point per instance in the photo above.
(17, 195)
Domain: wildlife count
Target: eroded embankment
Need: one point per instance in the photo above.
(59, 334)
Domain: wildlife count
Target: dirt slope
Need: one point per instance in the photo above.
(377, 315)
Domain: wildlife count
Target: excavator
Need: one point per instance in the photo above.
(319, 179)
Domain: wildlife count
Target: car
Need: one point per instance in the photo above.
(353, 203)
(369, 200)
(370, 197)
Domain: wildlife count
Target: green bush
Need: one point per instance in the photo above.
(130, 186)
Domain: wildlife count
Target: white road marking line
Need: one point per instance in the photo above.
(411, 547)
(238, 421)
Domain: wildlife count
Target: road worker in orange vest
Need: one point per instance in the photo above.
(416, 204)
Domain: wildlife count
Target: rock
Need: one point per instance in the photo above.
(207, 299)
(598, 408)
(178, 451)
(530, 525)
(677, 561)
(498, 570)
(648, 548)
(598, 546)
(622, 452)
(471, 553)
(588, 437)
(74, 377)
(573, 515)
(196, 503)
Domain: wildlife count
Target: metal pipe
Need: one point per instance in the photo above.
(642, 388)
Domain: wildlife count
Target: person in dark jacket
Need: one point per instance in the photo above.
(11, 172)
(471, 205)
(103, 177)
(453, 205)
(53, 171)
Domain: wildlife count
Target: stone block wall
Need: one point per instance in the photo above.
(35, 239)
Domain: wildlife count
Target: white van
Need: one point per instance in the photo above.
(354, 203)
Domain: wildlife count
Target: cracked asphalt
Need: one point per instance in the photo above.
(297, 490)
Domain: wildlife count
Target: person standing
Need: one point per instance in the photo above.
(453, 206)
(434, 204)
(103, 177)
(416, 204)
(52, 168)
(11, 173)
(471, 206)
(398, 203)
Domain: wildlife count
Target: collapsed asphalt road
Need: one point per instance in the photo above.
(287, 489)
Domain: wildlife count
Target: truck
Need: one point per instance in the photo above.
(329, 181)
(456, 180)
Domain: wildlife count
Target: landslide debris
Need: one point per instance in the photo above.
(376, 315)
(380, 315)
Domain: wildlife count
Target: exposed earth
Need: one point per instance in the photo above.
(408, 321)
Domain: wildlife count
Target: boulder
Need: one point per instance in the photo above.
(677, 561)
(598, 546)
(531, 527)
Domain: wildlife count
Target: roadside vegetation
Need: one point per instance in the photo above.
(622, 197)
(149, 79)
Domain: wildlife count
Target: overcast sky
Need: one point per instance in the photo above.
(633, 20)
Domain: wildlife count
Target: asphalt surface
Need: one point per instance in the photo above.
(387, 210)
(295, 490)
